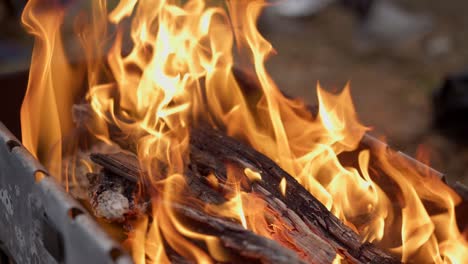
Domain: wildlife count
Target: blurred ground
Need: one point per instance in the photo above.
(391, 88)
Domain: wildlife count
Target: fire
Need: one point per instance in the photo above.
(282, 186)
(156, 67)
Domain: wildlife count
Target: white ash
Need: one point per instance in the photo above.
(113, 197)
(79, 165)
(111, 205)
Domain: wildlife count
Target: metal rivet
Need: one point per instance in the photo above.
(11, 144)
(39, 175)
(115, 253)
(74, 212)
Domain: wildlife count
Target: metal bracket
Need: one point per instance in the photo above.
(40, 222)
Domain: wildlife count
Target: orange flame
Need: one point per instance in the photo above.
(156, 67)
(45, 113)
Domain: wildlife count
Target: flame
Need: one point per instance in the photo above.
(338, 259)
(282, 186)
(252, 175)
(45, 114)
(154, 68)
(233, 207)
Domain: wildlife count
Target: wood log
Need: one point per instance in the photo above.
(219, 147)
(241, 244)
(316, 235)
(295, 235)
(209, 152)
(124, 165)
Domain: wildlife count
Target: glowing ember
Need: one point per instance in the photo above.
(169, 67)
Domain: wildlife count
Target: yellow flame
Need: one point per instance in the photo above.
(154, 68)
(46, 109)
(282, 186)
(252, 175)
(338, 259)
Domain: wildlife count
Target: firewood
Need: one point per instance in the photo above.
(316, 234)
(122, 164)
(311, 247)
(297, 198)
(242, 244)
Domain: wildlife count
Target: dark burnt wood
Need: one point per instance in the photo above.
(238, 240)
(314, 233)
(241, 245)
(217, 146)
(122, 164)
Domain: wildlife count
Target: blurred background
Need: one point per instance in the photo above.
(407, 63)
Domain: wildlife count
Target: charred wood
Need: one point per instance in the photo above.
(296, 235)
(114, 198)
(124, 165)
(241, 244)
(314, 233)
(219, 147)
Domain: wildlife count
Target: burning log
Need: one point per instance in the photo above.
(243, 245)
(217, 146)
(124, 165)
(314, 233)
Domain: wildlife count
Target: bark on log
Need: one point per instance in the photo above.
(315, 234)
(124, 165)
(217, 146)
(241, 244)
